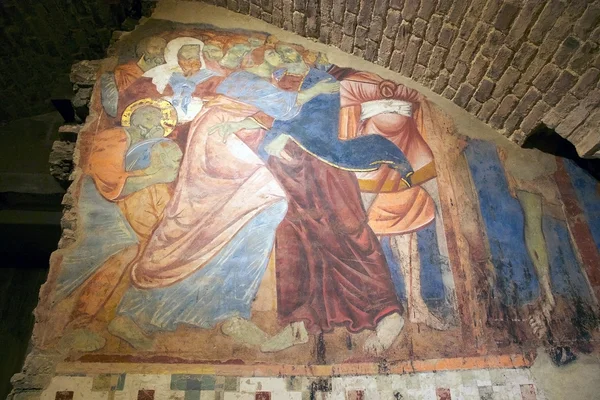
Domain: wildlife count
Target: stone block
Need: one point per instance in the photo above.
(588, 21)
(84, 73)
(255, 10)
(500, 63)
(410, 58)
(534, 118)
(490, 12)
(312, 27)
(566, 51)
(419, 27)
(506, 16)
(433, 28)
(277, 18)
(524, 20)
(360, 39)
(511, 124)
(425, 53)
(546, 77)
(397, 4)
(267, 5)
(546, 20)
(335, 38)
(365, 12)
(477, 70)
(353, 6)
(359, 52)
(454, 53)
(474, 106)
(506, 107)
(427, 9)
(457, 12)
(449, 92)
(584, 57)
(437, 59)
(473, 44)
(586, 138)
(349, 24)
(324, 32)
(565, 81)
(528, 101)
(371, 50)
(586, 82)
(463, 95)
(444, 6)
(347, 43)
(560, 111)
(396, 60)
(419, 73)
(524, 56)
(268, 18)
(392, 22)
(572, 121)
(466, 28)
(385, 51)
(337, 11)
(484, 91)
(410, 9)
(380, 8)
(441, 82)
(459, 74)
(447, 35)
(299, 23)
(376, 29)
(402, 36)
(494, 40)
(591, 100)
(487, 110)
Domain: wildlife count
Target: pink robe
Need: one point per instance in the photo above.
(220, 188)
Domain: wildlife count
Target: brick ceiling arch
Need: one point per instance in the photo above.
(513, 64)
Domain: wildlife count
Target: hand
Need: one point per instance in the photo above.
(225, 129)
(276, 147)
(328, 86)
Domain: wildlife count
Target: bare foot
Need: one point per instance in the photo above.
(124, 328)
(420, 314)
(243, 331)
(541, 317)
(386, 332)
(82, 340)
(292, 335)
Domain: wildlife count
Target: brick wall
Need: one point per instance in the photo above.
(39, 41)
(513, 63)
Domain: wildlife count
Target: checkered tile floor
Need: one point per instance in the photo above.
(492, 384)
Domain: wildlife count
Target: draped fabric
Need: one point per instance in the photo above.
(330, 267)
(396, 209)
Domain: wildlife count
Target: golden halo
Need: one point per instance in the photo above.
(169, 114)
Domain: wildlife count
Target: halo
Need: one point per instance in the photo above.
(169, 114)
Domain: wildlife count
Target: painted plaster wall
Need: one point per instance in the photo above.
(486, 160)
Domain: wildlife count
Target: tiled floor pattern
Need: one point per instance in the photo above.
(492, 384)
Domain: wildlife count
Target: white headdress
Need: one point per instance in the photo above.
(160, 75)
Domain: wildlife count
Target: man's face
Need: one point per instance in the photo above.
(234, 56)
(148, 119)
(154, 52)
(289, 54)
(188, 59)
(212, 52)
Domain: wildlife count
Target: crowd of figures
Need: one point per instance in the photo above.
(218, 153)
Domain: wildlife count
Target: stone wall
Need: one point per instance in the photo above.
(514, 64)
(41, 39)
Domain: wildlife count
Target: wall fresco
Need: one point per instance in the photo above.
(242, 201)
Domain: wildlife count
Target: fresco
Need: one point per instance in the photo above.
(241, 200)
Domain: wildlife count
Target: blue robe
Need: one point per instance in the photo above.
(315, 129)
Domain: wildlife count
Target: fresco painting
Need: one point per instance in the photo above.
(240, 199)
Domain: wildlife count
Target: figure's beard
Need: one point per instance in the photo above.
(154, 61)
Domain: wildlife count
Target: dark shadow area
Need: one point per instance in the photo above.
(548, 141)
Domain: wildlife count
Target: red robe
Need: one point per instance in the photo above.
(330, 267)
